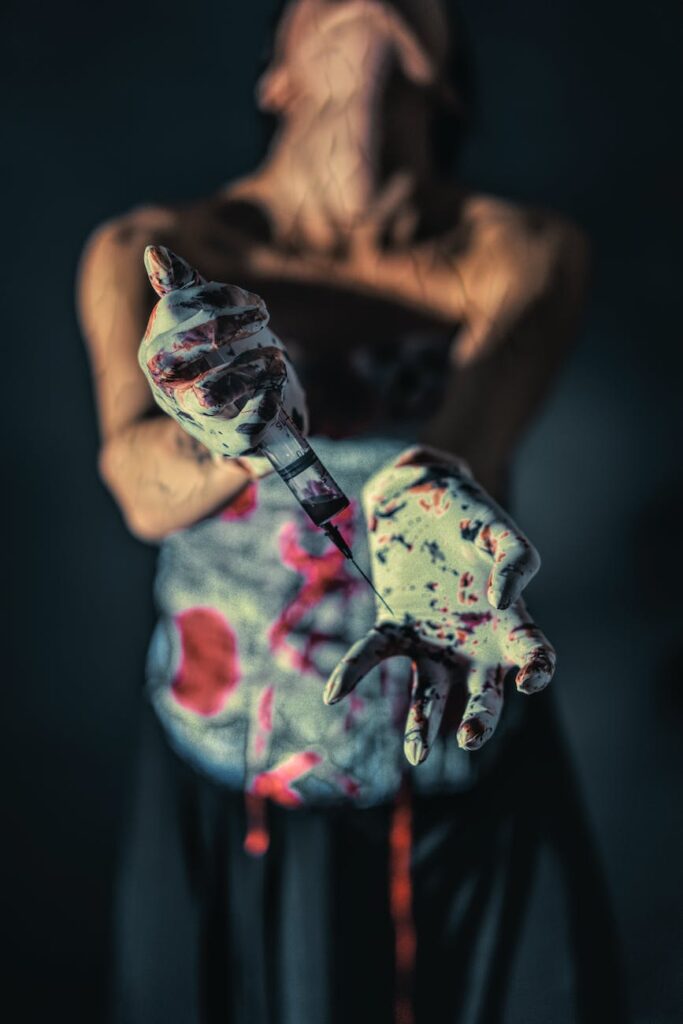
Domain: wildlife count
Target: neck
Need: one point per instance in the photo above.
(323, 172)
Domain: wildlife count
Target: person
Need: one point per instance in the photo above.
(411, 310)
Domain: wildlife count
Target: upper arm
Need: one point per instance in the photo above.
(523, 266)
(114, 301)
(522, 280)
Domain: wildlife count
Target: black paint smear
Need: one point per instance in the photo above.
(470, 532)
(392, 513)
(433, 550)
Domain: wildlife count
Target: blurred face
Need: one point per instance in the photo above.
(328, 54)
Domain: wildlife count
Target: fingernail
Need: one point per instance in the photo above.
(332, 691)
(168, 271)
(415, 751)
(471, 735)
(533, 682)
(535, 675)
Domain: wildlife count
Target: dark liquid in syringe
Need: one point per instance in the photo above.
(323, 508)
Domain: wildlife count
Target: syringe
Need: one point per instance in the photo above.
(282, 443)
(319, 495)
(298, 466)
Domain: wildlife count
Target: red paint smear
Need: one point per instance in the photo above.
(322, 574)
(276, 783)
(243, 505)
(265, 709)
(401, 901)
(209, 667)
(264, 717)
(466, 580)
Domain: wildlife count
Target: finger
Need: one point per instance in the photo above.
(513, 559)
(194, 329)
(525, 646)
(515, 563)
(431, 683)
(364, 655)
(425, 455)
(168, 271)
(260, 372)
(484, 705)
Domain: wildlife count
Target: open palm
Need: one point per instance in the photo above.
(451, 564)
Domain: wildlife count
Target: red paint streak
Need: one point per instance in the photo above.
(276, 783)
(209, 666)
(257, 839)
(401, 901)
(243, 505)
(433, 500)
(323, 575)
(264, 717)
(265, 709)
(490, 543)
(471, 620)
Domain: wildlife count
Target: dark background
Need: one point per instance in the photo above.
(579, 109)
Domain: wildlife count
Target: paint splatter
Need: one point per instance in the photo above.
(209, 667)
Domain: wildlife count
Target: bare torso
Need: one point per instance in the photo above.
(507, 282)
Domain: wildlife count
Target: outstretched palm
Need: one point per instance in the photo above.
(452, 565)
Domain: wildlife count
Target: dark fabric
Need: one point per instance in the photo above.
(303, 935)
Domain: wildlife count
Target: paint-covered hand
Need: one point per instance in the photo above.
(211, 360)
(452, 565)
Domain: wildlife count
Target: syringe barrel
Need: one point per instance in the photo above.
(292, 457)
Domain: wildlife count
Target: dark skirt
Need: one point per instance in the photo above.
(306, 933)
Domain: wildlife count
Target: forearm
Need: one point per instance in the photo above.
(164, 480)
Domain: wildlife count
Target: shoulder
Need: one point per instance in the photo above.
(111, 283)
(522, 240)
(111, 262)
(111, 244)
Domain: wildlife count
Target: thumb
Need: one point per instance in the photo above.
(364, 655)
(168, 271)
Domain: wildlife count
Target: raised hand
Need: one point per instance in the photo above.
(452, 565)
(211, 360)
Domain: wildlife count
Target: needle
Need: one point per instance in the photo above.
(336, 537)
